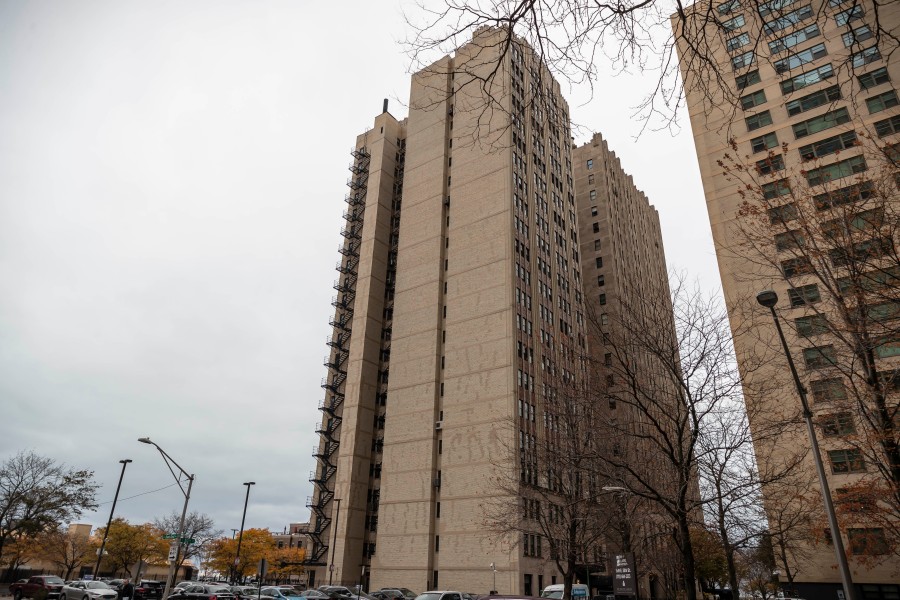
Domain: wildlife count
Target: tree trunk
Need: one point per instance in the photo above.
(687, 558)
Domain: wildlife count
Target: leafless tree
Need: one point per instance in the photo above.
(829, 232)
(683, 442)
(552, 503)
(197, 527)
(577, 39)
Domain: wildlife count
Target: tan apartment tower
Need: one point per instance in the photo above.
(623, 264)
(435, 354)
(796, 131)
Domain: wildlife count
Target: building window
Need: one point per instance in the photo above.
(887, 348)
(596, 227)
(604, 319)
(765, 142)
(754, 99)
(779, 215)
(593, 211)
(599, 262)
(806, 79)
(814, 100)
(743, 60)
(593, 194)
(837, 424)
(869, 541)
(873, 78)
(845, 195)
(828, 390)
(847, 461)
(771, 6)
(776, 189)
(788, 20)
(723, 9)
(758, 120)
(747, 79)
(828, 146)
(842, 18)
(602, 299)
(882, 101)
(591, 178)
(601, 280)
(803, 295)
(437, 543)
(735, 23)
(596, 245)
(819, 357)
(821, 123)
(789, 41)
(590, 164)
(856, 36)
(887, 126)
(800, 58)
(770, 164)
(738, 41)
(789, 240)
(866, 56)
(844, 168)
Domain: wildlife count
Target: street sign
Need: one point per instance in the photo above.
(188, 541)
(262, 568)
(170, 536)
(173, 551)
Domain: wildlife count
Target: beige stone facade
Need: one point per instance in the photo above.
(787, 63)
(462, 219)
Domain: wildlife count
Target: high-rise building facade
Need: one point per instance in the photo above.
(460, 282)
(801, 150)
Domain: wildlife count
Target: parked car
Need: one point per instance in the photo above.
(203, 591)
(555, 591)
(314, 594)
(39, 586)
(116, 584)
(338, 589)
(149, 589)
(401, 593)
(440, 595)
(248, 592)
(88, 590)
(279, 593)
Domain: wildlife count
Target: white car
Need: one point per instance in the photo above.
(88, 590)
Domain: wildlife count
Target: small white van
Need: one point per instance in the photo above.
(555, 591)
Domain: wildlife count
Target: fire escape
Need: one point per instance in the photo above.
(320, 503)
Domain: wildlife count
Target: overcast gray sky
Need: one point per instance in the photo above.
(172, 178)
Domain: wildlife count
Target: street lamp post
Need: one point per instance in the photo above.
(620, 493)
(237, 556)
(769, 299)
(187, 496)
(108, 523)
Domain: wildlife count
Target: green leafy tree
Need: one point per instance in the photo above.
(37, 493)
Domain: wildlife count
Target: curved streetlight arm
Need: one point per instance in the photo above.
(168, 459)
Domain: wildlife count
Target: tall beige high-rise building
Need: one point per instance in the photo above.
(460, 277)
(802, 151)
